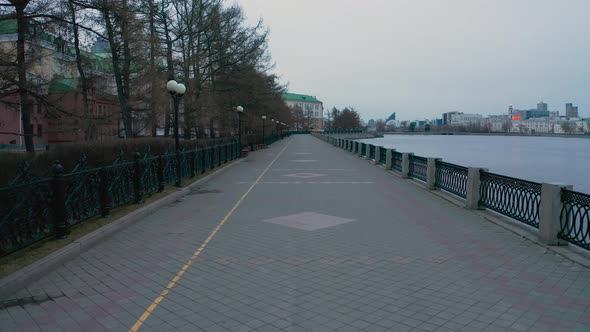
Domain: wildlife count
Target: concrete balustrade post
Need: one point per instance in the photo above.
(388, 158)
(406, 165)
(473, 187)
(360, 149)
(377, 154)
(550, 213)
(431, 173)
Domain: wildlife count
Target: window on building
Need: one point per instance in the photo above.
(39, 130)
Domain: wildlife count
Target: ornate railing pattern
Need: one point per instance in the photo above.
(371, 152)
(418, 167)
(515, 198)
(149, 178)
(396, 161)
(25, 214)
(200, 161)
(185, 163)
(223, 153)
(120, 187)
(216, 159)
(451, 178)
(382, 155)
(31, 208)
(169, 168)
(83, 194)
(575, 218)
(210, 157)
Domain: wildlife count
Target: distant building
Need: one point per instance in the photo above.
(529, 114)
(312, 109)
(571, 111)
(542, 106)
(436, 122)
(371, 124)
(391, 117)
(447, 117)
(458, 118)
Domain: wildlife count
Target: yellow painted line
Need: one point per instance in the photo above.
(179, 274)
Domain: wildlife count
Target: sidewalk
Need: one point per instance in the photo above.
(324, 241)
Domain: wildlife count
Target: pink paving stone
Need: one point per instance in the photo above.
(585, 318)
(533, 277)
(226, 260)
(402, 259)
(295, 261)
(551, 290)
(513, 291)
(482, 268)
(261, 260)
(334, 260)
(532, 305)
(364, 260)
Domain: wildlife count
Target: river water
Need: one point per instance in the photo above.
(540, 159)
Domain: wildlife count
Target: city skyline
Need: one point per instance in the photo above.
(422, 58)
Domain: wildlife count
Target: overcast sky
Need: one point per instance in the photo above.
(421, 58)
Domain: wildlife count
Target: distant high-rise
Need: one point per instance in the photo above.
(571, 111)
(541, 106)
(510, 109)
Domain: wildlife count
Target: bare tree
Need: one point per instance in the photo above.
(568, 127)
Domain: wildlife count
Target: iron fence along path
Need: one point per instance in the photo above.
(451, 178)
(515, 198)
(575, 218)
(418, 167)
(33, 209)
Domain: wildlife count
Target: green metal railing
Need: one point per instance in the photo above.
(33, 209)
(382, 156)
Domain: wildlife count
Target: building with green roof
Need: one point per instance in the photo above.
(306, 107)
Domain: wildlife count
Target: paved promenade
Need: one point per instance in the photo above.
(304, 236)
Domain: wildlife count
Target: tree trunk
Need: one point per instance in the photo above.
(153, 72)
(22, 76)
(121, 93)
(126, 37)
(169, 63)
(85, 103)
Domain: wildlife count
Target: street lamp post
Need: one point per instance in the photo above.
(263, 119)
(176, 91)
(240, 110)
